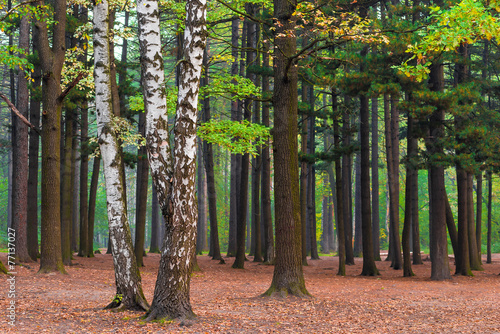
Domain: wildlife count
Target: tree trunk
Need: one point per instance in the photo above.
(339, 189)
(439, 248)
(347, 190)
(94, 181)
(129, 293)
(52, 60)
(84, 171)
(20, 156)
(375, 182)
(488, 237)
(266, 172)
(462, 261)
(369, 267)
(141, 197)
(479, 212)
(475, 261)
(75, 173)
(178, 203)
(358, 240)
(288, 277)
(311, 188)
(67, 188)
(201, 226)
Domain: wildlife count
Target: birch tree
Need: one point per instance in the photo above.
(129, 293)
(174, 179)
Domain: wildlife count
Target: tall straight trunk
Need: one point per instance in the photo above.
(439, 250)
(407, 270)
(201, 226)
(12, 84)
(369, 267)
(84, 175)
(34, 149)
(75, 178)
(479, 212)
(450, 225)
(20, 156)
(288, 277)
(347, 190)
(51, 55)
(311, 188)
(266, 172)
(488, 237)
(67, 188)
(475, 261)
(358, 242)
(412, 183)
(154, 246)
(242, 173)
(462, 255)
(129, 293)
(94, 181)
(208, 157)
(141, 195)
(304, 171)
(178, 202)
(375, 182)
(231, 247)
(339, 189)
(394, 184)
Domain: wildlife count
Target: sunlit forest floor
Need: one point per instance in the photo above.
(227, 300)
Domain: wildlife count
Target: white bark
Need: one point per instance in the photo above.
(171, 298)
(128, 281)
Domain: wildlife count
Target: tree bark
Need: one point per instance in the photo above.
(92, 204)
(178, 203)
(84, 171)
(52, 59)
(339, 189)
(347, 189)
(67, 188)
(154, 246)
(475, 261)
(479, 211)
(488, 237)
(288, 277)
(375, 182)
(20, 156)
(129, 293)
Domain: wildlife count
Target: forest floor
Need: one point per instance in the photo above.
(227, 300)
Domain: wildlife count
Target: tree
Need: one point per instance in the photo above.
(288, 277)
(129, 293)
(177, 199)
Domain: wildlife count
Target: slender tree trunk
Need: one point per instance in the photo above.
(475, 261)
(84, 171)
(375, 182)
(75, 173)
(347, 190)
(311, 188)
(34, 149)
(488, 237)
(92, 205)
(479, 212)
(67, 188)
(462, 255)
(20, 156)
(154, 246)
(141, 196)
(201, 226)
(358, 240)
(339, 189)
(288, 277)
(129, 293)
(266, 172)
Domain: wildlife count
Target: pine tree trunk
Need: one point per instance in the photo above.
(347, 189)
(94, 181)
(339, 188)
(288, 277)
(266, 173)
(375, 182)
(311, 188)
(67, 189)
(84, 171)
(475, 262)
(358, 242)
(479, 212)
(20, 156)
(201, 230)
(488, 237)
(129, 293)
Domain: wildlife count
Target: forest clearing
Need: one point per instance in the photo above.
(227, 300)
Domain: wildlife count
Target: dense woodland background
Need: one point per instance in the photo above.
(350, 72)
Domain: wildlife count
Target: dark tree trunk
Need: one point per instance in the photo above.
(311, 188)
(94, 182)
(394, 185)
(358, 240)
(288, 277)
(141, 194)
(84, 171)
(439, 248)
(20, 156)
(201, 226)
(52, 59)
(266, 172)
(407, 270)
(347, 190)
(479, 211)
(304, 171)
(67, 188)
(475, 261)
(34, 148)
(154, 246)
(462, 261)
(375, 182)
(488, 238)
(417, 258)
(369, 267)
(450, 224)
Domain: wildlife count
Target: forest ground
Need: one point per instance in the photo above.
(227, 300)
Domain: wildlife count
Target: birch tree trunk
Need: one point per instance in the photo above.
(129, 293)
(171, 296)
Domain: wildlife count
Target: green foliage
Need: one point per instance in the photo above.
(230, 87)
(238, 137)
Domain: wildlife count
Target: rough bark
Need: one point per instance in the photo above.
(201, 186)
(488, 237)
(347, 189)
(375, 182)
(479, 212)
(288, 277)
(67, 188)
(475, 261)
(84, 176)
(171, 296)
(358, 240)
(51, 55)
(20, 156)
(311, 179)
(129, 293)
